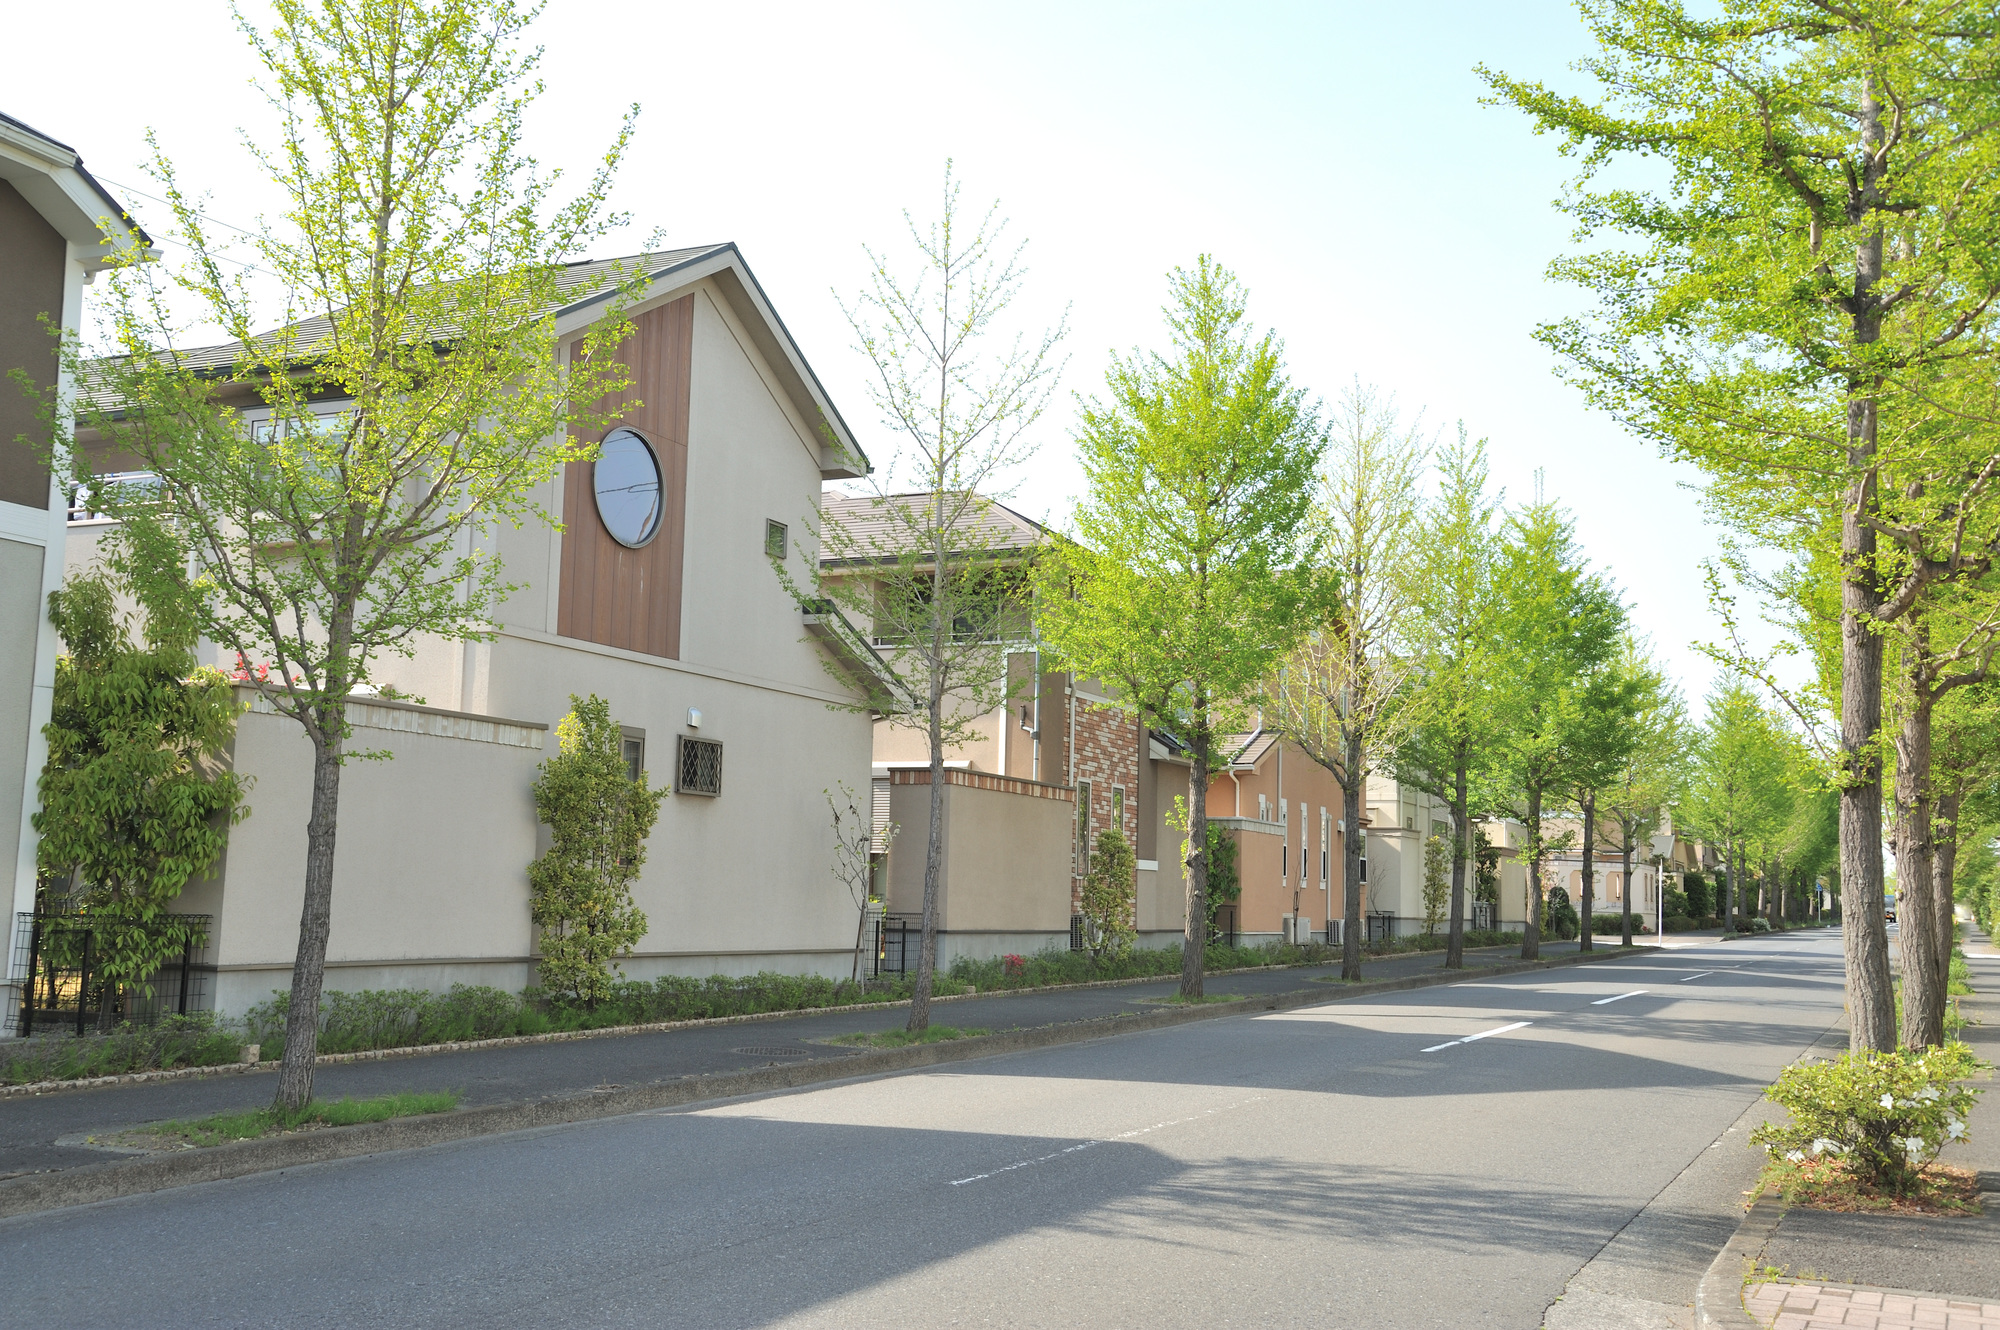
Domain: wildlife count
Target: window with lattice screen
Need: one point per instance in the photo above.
(700, 766)
(878, 835)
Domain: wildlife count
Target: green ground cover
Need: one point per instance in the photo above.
(221, 1128)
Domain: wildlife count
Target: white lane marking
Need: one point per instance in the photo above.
(1481, 1035)
(1703, 975)
(1106, 1140)
(1620, 998)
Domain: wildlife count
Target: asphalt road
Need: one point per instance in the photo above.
(31, 1126)
(1398, 1162)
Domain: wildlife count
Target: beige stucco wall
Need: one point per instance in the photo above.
(430, 867)
(1006, 865)
(20, 607)
(904, 744)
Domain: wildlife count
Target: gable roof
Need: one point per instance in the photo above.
(868, 523)
(588, 283)
(49, 174)
(841, 457)
(1247, 750)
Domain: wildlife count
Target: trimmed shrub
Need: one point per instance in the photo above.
(1884, 1116)
(1559, 916)
(193, 1040)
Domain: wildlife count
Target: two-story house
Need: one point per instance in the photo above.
(657, 592)
(58, 228)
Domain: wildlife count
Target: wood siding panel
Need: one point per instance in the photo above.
(607, 593)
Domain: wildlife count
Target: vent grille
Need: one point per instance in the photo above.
(700, 766)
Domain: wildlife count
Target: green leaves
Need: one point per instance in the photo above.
(598, 817)
(1559, 628)
(1884, 1116)
(1190, 569)
(135, 799)
(328, 491)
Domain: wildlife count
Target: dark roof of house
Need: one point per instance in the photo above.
(118, 209)
(579, 284)
(585, 282)
(872, 533)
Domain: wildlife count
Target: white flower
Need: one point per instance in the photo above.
(1927, 1094)
(1955, 1130)
(1796, 1155)
(1823, 1144)
(1887, 1102)
(1913, 1146)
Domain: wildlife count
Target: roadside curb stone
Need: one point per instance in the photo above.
(1718, 1301)
(606, 1032)
(112, 1179)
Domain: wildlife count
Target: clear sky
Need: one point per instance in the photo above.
(1336, 156)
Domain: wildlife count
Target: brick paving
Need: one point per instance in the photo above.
(1783, 1305)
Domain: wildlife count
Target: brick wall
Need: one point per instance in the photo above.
(1107, 756)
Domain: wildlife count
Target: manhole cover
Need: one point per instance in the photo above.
(774, 1051)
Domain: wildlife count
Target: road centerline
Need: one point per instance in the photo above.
(1620, 998)
(1096, 1141)
(1502, 1029)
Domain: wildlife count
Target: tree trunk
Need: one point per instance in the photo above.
(1944, 867)
(1531, 931)
(1917, 936)
(1625, 892)
(1194, 942)
(107, 1003)
(1350, 864)
(1728, 888)
(1586, 913)
(1865, 937)
(1461, 852)
(295, 1076)
(860, 933)
(920, 992)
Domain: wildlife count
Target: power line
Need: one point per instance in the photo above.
(229, 226)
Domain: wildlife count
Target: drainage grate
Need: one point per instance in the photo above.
(775, 1051)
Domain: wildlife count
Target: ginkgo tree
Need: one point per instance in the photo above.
(411, 399)
(1801, 294)
(1190, 570)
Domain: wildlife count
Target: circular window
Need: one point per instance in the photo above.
(628, 488)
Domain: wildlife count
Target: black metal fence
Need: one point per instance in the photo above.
(64, 956)
(897, 941)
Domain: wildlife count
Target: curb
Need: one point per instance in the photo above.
(115, 1178)
(611, 1031)
(1718, 1299)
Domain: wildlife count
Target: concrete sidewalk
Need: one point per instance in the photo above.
(43, 1133)
(1870, 1269)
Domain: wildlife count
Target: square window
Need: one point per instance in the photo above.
(700, 766)
(777, 540)
(634, 752)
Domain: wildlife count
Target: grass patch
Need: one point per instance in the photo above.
(222, 1128)
(931, 1034)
